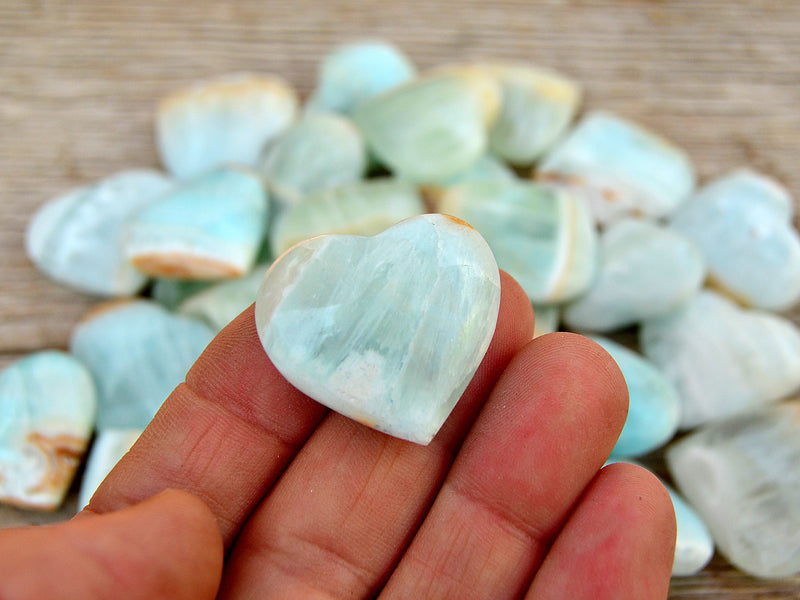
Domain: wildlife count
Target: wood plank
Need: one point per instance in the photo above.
(79, 81)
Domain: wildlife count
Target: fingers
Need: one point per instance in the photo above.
(339, 518)
(618, 544)
(547, 428)
(166, 547)
(225, 435)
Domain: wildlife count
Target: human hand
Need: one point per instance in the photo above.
(288, 500)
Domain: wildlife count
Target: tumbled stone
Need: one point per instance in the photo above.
(224, 120)
(137, 353)
(645, 270)
(355, 72)
(320, 151)
(47, 410)
(743, 476)
(219, 304)
(359, 208)
(210, 227)
(537, 107)
(76, 238)
(620, 168)
(387, 330)
(542, 236)
(742, 224)
(109, 446)
(431, 128)
(653, 403)
(723, 359)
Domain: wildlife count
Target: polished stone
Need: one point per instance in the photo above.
(358, 208)
(355, 72)
(431, 128)
(47, 411)
(210, 227)
(387, 330)
(541, 235)
(723, 359)
(653, 402)
(220, 303)
(620, 168)
(224, 120)
(742, 224)
(743, 476)
(76, 238)
(137, 353)
(320, 151)
(645, 270)
(109, 446)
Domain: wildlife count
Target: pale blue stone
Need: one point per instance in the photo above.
(742, 224)
(542, 236)
(219, 304)
(743, 476)
(723, 359)
(359, 208)
(387, 330)
(355, 72)
(76, 238)
(645, 270)
(109, 446)
(694, 546)
(320, 151)
(48, 403)
(207, 228)
(429, 129)
(621, 168)
(653, 403)
(224, 120)
(538, 106)
(137, 353)
(548, 317)
(486, 168)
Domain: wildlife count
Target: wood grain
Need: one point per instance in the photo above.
(79, 80)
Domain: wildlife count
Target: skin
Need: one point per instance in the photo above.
(242, 487)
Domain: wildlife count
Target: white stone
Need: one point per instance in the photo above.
(723, 359)
(743, 476)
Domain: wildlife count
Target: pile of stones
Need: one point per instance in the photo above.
(601, 221)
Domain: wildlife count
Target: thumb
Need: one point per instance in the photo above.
(168, 546)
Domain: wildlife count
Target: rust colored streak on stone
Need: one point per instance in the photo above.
(63, 454)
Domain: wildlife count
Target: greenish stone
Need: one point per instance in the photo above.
(387, 330)
(359, 208)
(542, 236)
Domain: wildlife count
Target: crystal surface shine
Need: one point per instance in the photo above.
(387, 329)
(47, 410)
(743, 476)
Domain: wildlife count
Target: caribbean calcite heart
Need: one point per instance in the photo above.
(388, 329)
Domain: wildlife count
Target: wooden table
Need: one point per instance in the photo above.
(79, 80)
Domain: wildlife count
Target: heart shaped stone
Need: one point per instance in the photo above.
(47, 410)
(388, 329)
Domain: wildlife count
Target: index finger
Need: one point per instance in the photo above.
(229, 432)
